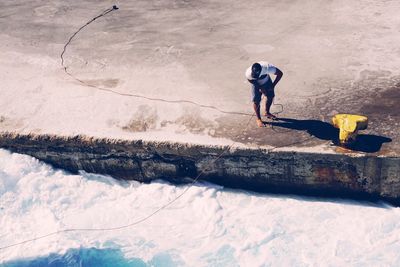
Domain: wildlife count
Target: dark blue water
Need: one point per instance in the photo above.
(90, 257)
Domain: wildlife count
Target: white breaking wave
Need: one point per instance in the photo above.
(207, 226)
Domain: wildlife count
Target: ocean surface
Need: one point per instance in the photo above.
(207, 226)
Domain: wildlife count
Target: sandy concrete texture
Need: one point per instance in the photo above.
(138, 62)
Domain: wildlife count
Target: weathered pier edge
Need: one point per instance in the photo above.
(317, 174)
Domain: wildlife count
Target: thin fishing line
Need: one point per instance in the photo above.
(158, 99)
(105, 12)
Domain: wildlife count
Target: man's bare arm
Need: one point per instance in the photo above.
(278, 77)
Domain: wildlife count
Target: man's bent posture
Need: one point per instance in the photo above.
(261, 83)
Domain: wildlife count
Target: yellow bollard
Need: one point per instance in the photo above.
(349, 125)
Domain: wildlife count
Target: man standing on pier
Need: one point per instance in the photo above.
(261, 84)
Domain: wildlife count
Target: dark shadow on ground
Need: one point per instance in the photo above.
(319, 129)
(369, 143)
(325, 131)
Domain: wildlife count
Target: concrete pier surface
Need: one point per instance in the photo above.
(173, 71)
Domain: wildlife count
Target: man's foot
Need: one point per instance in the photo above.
(270, 116)
(260, 123)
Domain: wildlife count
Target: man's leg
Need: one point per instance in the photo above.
(256, 99)
(268, 90)
(256, 107)
(270, 94)
(268, 105)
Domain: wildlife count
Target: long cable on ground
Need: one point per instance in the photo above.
(105, 12)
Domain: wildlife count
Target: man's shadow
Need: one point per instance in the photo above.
(325, 131)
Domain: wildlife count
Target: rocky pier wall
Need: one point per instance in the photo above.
(263, 170)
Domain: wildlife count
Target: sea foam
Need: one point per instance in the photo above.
(207, 226)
